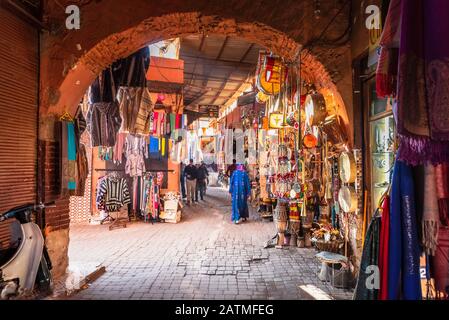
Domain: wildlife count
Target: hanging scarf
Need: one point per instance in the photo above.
(154, 146)
(387, 66)
(423, 82)
(442, 192)
(370, 257)
(155, 123)
(383, 251)
(71, 155)
(430, 212)
(403, 263)
(178, 121)
(172, 122)
(440, 262)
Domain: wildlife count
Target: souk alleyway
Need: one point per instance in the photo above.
(203, 257)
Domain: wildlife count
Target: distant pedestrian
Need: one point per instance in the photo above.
(240, 190)
(190, 173)
(201, 179)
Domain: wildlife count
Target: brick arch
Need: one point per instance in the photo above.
(120, 45)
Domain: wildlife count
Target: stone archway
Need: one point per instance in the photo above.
(62, 92)
(119, 45)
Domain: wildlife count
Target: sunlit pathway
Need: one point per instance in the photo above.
(203, 257)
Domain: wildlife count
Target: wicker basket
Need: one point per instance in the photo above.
(334, 246)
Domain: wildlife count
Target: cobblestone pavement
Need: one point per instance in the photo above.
(202, 257)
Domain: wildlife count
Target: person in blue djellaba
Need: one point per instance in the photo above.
(240, 189)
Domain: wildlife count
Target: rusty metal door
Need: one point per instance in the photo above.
(19, 67)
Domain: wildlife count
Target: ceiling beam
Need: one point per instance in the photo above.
(223, 46)
(246, 53)
(230, 74)
(187, 57)
(196, 61)
(239, 91)
(199, 76)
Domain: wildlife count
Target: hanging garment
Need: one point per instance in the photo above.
(100, 193)
(404, 252)
(119, 147)
(387, 66)
(156, 123)
(442, 191)
(103, 123)
(423, 82)
(440, 262)
(104, 88)
(178, 121)
(129, 103)
(135, 108)
(383, 251)
(135, 165)
(68, 158)
(115, 192)
(133, 69)
(370, 257)
(430, 222)
(154, 147)
(136, 144)
(82, 171)
(240, 189)
(172, 122)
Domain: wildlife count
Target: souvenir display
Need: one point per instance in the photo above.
(347, 167)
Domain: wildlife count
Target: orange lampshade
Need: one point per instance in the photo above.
(310, 141)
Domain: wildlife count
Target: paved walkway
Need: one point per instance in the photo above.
(202, 257)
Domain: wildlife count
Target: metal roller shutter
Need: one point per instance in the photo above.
(18, 114)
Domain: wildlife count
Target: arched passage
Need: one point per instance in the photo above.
(63, 91)
(119, 45)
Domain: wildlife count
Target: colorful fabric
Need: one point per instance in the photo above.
(430, 223)
(440, 262)
(115, 192)
(387, 66)
(383, 248)
(240, 189)
(178, 121)
(71, 155)
(172, 122)
(442, 192)
(404, 252)
(155, 123)
(154, 147)
(118, 148)
(370, 257)
(423, 82)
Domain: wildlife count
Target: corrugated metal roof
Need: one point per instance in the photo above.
(215, 67)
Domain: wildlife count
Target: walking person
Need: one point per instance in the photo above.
(240, 190)
(202, 175)
(190, 173)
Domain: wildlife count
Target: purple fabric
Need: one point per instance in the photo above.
(423, 82)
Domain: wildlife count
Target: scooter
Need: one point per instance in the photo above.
(26, 266)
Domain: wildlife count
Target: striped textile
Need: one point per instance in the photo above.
(116, 193)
